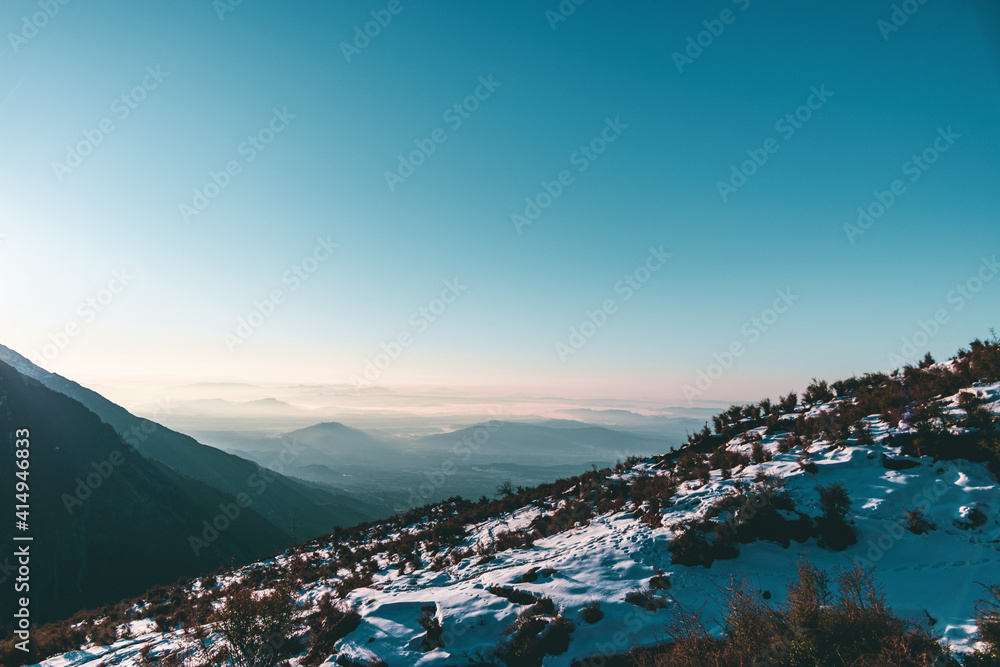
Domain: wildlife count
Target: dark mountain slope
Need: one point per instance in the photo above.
(106, 521)
(276, 497)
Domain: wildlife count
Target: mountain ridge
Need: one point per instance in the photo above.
(316, 511)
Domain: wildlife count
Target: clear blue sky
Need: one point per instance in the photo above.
(656, 184)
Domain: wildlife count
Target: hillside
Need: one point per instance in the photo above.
(107, 523)
(277, 497)
(854, 524)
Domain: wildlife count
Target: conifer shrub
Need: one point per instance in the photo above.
(835, 502)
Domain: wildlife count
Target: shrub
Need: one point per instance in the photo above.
(645, 599)
(758, 453)
(257, 628)
(754, 514)
(835, 501)
(856, 628)
(808, 595)
(649, 488)
(513, 594)
(788, 403)
(750, 624)
(46, 640)
(433, 632)
(659, 582)
(787, 444)
(330, 624)
(530, 638)
(863, 434)
(818, 391)
(916, 522)
(513, 539)
(528, 577)
(988, 624)
(573, 512)
(975, 518)
(691, 547)
(591, 612)
(555, 636)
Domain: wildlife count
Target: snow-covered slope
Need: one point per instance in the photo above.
(930, 577)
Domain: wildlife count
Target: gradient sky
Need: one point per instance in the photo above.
(656, 185)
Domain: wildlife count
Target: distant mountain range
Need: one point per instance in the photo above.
(394, 473)
(551, 443)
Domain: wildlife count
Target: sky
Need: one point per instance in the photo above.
(657, 201)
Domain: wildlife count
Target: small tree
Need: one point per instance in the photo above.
(836, 532)
(916, 521)
(835, 500)
(808, 595)
(433, 632)
(257, 628)
(750, 623)
(505, 489)
(818, 391)
(864, 434)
